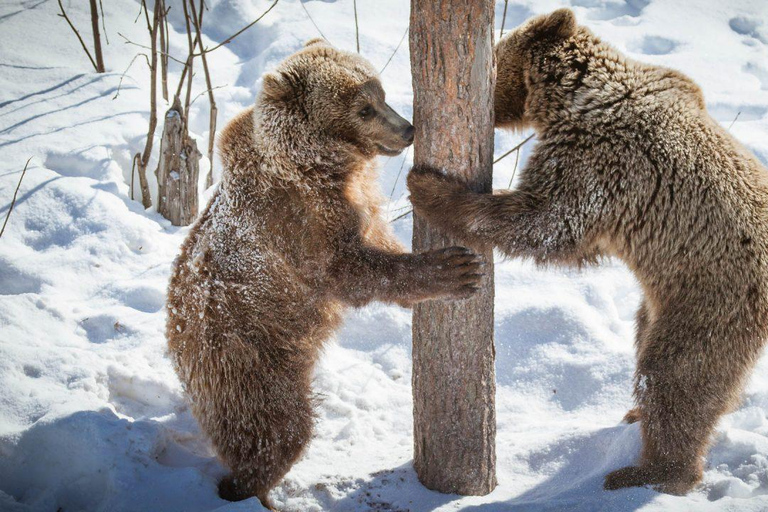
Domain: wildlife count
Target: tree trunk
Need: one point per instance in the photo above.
(454, 385)
(96, 37)
(178, 170)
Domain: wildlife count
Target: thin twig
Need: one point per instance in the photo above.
(146, 15)
(312, 20)
(230, 38)
(401, 216)
(164, 48)
(734, 120)
(190, 63)
(503, 18)
(120, 84)
(128, 41)
(82, 43)
(141, 7)
(136, 158)
(206, 92)
(394, 52)
(103, 25)
(357, 27)
(399, 172)
(514, 169)
(515, 148)
(13, 201)
(187, 66)
(402, 207)
(146, 197)
(213, 113)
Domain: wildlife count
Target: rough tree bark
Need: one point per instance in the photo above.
(451, 45)
(177, 170)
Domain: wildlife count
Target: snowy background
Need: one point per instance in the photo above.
(92, 416)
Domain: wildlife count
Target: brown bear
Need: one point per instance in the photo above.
(630, 164)
(293, 235)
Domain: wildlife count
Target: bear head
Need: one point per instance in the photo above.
(325, 96)
(529, 55)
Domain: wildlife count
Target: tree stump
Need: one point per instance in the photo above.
(177, 170)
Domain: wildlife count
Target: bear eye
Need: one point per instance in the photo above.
(366, 112)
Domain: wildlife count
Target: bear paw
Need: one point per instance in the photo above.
(668, 481)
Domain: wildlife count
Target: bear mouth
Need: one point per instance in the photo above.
(386, 151)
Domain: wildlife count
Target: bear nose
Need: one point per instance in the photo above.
(408, 134)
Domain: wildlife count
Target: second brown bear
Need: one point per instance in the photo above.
(630, 164)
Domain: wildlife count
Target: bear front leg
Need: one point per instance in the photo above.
(519, 223)
(361, 275)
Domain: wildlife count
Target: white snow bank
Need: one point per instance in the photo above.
(92, 416)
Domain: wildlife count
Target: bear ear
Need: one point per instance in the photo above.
(316, 40)
(559, 24)
(276, 87)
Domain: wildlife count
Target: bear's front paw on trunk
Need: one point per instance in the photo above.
(430, 189)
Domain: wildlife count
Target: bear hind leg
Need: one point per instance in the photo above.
(642, 320)
(684, 386)
(260, 446)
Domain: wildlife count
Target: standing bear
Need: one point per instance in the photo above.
(293, 235)
(629, 164)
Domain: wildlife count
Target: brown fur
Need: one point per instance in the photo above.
(629, 164)
(293, 235)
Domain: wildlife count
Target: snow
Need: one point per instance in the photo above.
(92, 416)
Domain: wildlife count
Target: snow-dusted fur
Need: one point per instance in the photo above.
(630, 164)
(293, 235)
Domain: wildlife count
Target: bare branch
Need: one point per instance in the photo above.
(128, 41)
(96, 36)
(13, 201)
(394, 52)
(503, 18)
(313, 21)
(734, 120)
(230, 38)
(190, 63)
(120, 84)
(103, 25)
(146, 15)
(357, 28)
(515, 148)
(136, 158)
(202, 93)
(402, 216)
(82, 43)
(397, 178)
(211, 100)
(146, 197)
(164, 48)
(514, 169)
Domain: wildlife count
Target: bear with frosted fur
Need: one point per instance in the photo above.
(629, 164)
(293, 236)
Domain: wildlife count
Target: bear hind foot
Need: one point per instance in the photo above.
(632, 416)
(666, 480)
(230, 490)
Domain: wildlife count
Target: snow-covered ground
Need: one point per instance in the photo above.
(92, 416)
